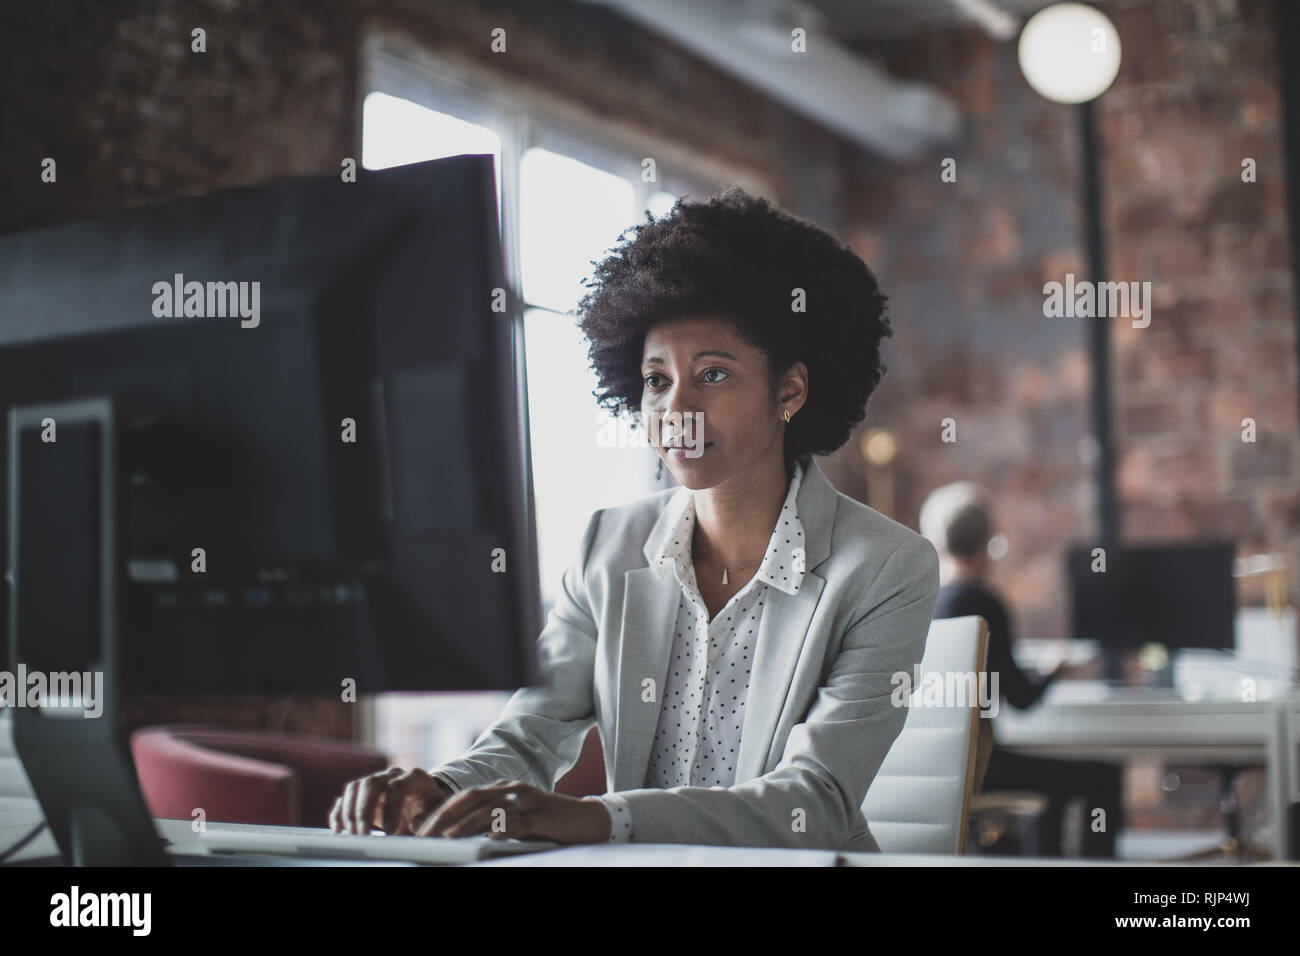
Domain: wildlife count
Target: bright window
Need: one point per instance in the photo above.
(564, 197)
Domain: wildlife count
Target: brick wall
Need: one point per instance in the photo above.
(114, 94)
(964, 264)
(1199, 95)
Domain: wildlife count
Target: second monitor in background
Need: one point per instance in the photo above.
(1178, 595)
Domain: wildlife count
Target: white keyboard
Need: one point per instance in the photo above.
(245, 838)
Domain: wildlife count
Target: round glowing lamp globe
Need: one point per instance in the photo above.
(1069, 52)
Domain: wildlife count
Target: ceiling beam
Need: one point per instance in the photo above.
(829, 84)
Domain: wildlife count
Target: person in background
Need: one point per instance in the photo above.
(956, 520)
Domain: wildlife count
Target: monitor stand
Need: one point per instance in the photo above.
(64, 562)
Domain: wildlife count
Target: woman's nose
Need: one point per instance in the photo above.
(679, 407)
(671, 399)
(681, 424)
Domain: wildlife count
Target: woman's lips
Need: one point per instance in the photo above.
(680, 452)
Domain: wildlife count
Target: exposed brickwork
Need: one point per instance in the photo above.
(1198, 94)
(964, 264)
(114, 94)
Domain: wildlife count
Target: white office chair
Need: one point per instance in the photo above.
(920, 799)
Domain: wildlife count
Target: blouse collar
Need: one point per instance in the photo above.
(783, 562)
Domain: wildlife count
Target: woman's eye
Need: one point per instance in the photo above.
(720, 371)
(648, 380)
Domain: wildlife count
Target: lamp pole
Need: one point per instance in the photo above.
(1108, 519)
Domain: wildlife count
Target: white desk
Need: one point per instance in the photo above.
(656, 855)
(674, 855)
(1078, 721)
(1069, 721)
(637, 854)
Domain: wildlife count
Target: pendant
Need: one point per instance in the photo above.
(724, 575)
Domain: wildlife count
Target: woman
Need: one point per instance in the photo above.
(735, 638)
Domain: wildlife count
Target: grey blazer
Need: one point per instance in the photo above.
(819, 720)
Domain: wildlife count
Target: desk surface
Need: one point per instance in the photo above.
(636, 854)
(1080, 722)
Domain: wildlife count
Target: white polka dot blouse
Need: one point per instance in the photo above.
(703, 705)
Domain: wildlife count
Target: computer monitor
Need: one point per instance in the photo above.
(271, 440)
(1178, 595)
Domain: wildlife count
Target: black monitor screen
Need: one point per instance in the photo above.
(1176, 595)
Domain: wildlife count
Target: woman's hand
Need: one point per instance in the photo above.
(521, 811)
(396, 801)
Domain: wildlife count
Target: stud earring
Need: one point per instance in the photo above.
(785, 413)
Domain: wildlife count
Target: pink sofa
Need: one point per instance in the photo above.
(246, 776)
(257, 776)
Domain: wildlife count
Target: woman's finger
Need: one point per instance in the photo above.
(453, 811)
(500, 815)
(472, 811)
(349, 807)
(372, 790)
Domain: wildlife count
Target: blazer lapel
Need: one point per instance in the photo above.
(782, 631)
(650, 610)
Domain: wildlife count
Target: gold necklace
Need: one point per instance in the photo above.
(724, 570)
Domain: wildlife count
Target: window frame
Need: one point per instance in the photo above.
(524, 119)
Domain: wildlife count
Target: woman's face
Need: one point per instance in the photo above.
(708, 392)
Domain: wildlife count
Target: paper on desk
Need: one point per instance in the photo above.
(668, 854)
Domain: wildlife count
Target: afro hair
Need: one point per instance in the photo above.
(739, 257)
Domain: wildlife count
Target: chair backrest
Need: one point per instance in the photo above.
(920, 798)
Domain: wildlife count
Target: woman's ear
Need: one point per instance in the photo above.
(792, 389)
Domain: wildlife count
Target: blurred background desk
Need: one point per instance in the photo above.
(1090, 720)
